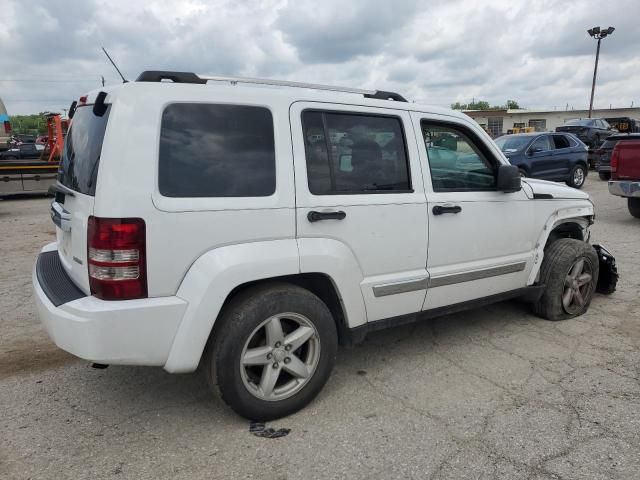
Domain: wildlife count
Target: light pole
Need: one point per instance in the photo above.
(597, 33)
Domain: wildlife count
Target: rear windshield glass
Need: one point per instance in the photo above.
(579, 123)
(213, 150)
(79, 164)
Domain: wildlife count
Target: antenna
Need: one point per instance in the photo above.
(114, 66)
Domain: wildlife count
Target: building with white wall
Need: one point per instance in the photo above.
(497, 122)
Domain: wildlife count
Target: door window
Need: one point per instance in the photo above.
(455, 161)
(560, 141)
(354, 153)
(541, 144)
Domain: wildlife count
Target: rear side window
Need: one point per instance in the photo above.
(560, 141)
(354, 153)
(81, 156)
(212, 150)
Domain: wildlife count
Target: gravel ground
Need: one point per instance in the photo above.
(490, 393)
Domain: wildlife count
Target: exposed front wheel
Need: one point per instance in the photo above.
(577, 176)
(570, 274)
(634, 206)
(273, 351)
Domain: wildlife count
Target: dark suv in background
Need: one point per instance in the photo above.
(560, 157)
(591, 131)
(603, 154)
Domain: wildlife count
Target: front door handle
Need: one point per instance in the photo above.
(313, 216)
(448, 208)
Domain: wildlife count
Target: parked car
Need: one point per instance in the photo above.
(625, 173)
(591, 131)
(604, 152)
(559, 157)
(224, 228)
(25, 150)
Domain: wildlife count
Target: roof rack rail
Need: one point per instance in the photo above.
(189, 77)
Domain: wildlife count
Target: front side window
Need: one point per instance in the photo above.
(541, 144)
(354, 153)
(455, 161)
(214, 150)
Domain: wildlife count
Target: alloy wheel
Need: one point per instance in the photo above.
(280, 356)
(577, 287)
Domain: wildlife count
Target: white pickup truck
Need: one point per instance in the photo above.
(249, 226)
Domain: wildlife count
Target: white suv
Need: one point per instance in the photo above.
(250, 226)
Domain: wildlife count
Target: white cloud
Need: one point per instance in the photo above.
(537, 53)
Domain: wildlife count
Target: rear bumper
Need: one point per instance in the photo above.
(625, 188)
(129, 332)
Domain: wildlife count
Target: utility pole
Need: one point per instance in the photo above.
(599, 34)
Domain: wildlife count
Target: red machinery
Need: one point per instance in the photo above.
(57, 128)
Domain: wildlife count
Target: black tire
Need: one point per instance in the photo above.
(523, 172)
(559, 258)
(604, 176)
(634, 206)
(571, 181)
(239, 321)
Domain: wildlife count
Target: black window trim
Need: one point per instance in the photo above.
(329, 154)
(477, 141)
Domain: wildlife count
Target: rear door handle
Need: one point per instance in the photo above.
(314, 216)
(440, 209)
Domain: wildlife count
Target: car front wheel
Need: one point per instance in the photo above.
(569, 273)
(272, 351)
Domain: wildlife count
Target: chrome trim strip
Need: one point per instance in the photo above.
(476, 275)
(400, 287)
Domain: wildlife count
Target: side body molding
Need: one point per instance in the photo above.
(208, 283)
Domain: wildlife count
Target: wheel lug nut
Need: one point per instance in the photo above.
(287, 360)
(269, 356)
(287, 347)
(275, 365)
(278, 344)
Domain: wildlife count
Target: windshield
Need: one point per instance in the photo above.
(82, 147)
(579, 122)
(510, 143)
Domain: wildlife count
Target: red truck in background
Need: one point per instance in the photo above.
(625, 174)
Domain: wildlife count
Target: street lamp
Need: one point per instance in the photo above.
(597, 33)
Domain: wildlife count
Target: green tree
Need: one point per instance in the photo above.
(482, 105)
(35, 124)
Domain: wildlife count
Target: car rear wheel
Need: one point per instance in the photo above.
(272, 351)
(604, 176)
(570, 274)
(523, 172)
(577, 176)
(634, 206)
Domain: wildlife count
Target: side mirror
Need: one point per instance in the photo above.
(534, 150)
(509, 179)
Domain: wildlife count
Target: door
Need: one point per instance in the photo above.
(541, 161)
(73, 204)
(481, 240)
(359, 190)
(562, 155)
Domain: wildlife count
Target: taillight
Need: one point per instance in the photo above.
(7, 126)
(117, 258)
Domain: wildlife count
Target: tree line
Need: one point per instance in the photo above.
(482, 105)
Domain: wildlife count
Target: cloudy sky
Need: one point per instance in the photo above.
(439, 52)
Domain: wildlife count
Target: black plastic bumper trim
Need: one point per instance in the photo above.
(54, 280)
